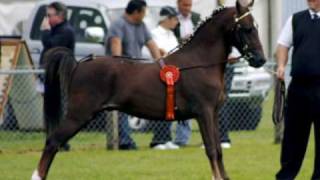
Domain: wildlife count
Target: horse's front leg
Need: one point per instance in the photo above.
(208, 123)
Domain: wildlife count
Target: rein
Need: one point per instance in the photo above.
(200, 66)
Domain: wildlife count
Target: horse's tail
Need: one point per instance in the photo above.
(59, 64)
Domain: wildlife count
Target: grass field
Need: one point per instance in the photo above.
(253, 156)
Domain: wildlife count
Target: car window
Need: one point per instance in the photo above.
(79, 18)
(151, 19)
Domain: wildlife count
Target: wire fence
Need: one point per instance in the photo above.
(22, 112)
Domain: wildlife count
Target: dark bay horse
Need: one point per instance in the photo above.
(115, 83)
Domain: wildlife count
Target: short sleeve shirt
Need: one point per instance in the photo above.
(286, 36)
(133, 37)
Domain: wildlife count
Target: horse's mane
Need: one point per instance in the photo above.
(201, 25)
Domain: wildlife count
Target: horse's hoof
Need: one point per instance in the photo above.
(35, 175)
(213, 178)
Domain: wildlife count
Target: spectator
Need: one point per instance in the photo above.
(127, 35)
(188, 21)
(56, 32)
(166, 41)
(302, 33)
(226, 111)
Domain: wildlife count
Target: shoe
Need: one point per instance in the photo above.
(171, 145)
(160, 147)
(127, 147)
(226, 145)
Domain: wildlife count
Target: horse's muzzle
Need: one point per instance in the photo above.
(257, 60)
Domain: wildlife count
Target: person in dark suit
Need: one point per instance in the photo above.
(188, 20)
(303, 101)
(56, 32)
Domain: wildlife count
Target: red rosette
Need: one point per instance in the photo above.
(168, 73)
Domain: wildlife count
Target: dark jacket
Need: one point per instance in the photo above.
(195, 18)
(62, 35)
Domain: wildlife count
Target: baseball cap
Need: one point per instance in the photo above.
(168, 11)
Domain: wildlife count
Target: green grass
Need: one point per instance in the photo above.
(253, 156)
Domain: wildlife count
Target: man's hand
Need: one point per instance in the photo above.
(45, 25)
(163, 52)
(280, 72)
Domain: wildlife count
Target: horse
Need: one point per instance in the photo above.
(118, 83)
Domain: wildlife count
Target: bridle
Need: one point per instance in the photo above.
(238, 29)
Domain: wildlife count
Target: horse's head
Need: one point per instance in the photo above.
(245, 34)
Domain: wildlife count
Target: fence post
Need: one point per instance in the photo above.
(112, 131)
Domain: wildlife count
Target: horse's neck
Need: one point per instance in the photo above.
(201, 52)
(209, 45)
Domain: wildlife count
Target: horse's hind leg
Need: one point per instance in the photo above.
(61, 135)
(210, 134)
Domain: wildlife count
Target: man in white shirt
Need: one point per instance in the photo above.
(166, 41)
(303, 101)
(188, 20)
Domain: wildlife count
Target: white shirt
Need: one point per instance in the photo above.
(164, 38)
(286, 35)
(186, 26)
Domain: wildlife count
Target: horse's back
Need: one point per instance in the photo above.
(118, 81)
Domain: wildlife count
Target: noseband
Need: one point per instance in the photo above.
(237, 19)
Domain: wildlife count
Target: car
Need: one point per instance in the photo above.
(249, 88)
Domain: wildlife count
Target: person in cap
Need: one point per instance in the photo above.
(166, 40)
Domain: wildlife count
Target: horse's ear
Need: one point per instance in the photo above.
(244, 4)
(251, 4)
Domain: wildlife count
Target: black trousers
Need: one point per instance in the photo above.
(303, 110)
